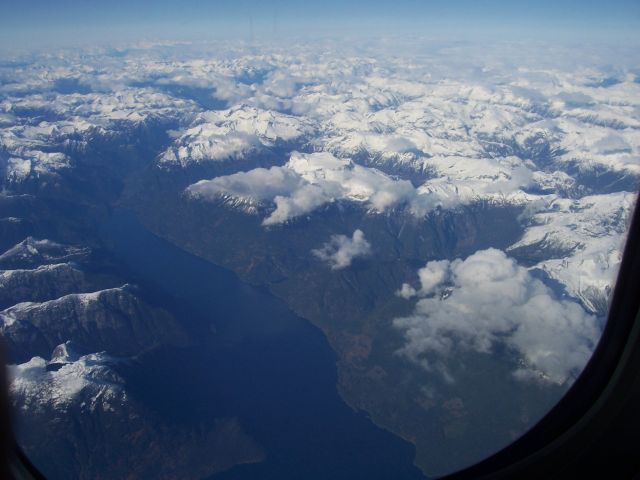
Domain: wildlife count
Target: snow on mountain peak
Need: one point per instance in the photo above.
(233, 133)
(90, 375)
(581, 243)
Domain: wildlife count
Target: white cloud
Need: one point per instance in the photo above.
(305, 183)
(486, 300)
(434, 274)
(259, 184)
(308, 181)
(299, 202)
(340, 251)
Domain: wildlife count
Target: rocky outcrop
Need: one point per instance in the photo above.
(81, 410)
(114, 320)
(40, 284)
(32, 253)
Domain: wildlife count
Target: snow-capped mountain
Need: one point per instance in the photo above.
(57, 301)
(448, 214)
(32, 252)
(66, 378)
(80, 405)
(579, 244)
(41, 283)
(114, 320)
(41, 133)
(233, 134)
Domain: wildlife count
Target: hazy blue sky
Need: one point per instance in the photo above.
(80, 20)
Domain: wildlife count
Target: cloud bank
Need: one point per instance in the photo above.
(489, 300)
(308, 181)
(305, 183)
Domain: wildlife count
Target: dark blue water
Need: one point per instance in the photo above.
(255, 361)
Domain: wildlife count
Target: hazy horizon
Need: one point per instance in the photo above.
(74, 23)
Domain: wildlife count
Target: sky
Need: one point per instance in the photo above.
(46, 22)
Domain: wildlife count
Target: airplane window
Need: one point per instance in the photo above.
(337, 240)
